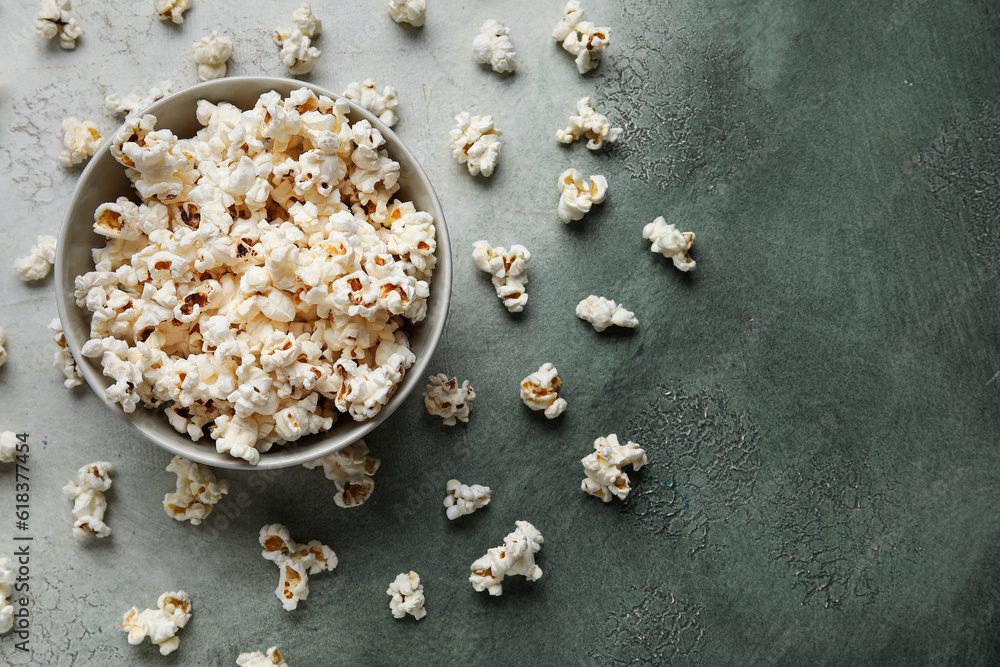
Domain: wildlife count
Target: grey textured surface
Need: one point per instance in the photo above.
(819, 399)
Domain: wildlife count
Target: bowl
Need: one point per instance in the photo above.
(104, 180)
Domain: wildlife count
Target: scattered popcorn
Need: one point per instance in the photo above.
(463, 499)
(351, 469)
(604, 467)
(258, 659)
(577, 196)
(295, 561)
(197, 491)
(476, 143)
(81, 140)
(589, 123)
(508, 271)
(603, 313)
(492, 45)
(408, 11)
(54, 20)
(63, 358)
(446, 399)
(297, 52)
(3, 352)
(515, 557)
(212, 53)
(540, 391)
(382, 105)
(407, 596)
(89, 504)
(581, 38)
(38, 262)
(7, 579)
(670, 243)
(128, 105)
(173, 611)
(172, 10)
(8, 446)
(261, 287)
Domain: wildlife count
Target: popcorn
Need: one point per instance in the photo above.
(7, 579)
(351, 469)
(408, 11)
(603, 313)
(38, 262)
(258, 659)
(492, 45)
(172, 10)
(63, 358)
(446, 399)
(588, 122)
(476, 143)
(212, 53)
(89, 504)
(197, 491)
(581, 38)
(8, 446)
(604, 467)
(540, 391)
(297, 52)
(670, 243)
(407, 596)
(577, 196)
(54, 20)
(515, 557)
(295, 561)
(508, 271)
(128, 105)
(382, 105)
(173, 611)
(463, 499)
(3, 352)
(81, 140)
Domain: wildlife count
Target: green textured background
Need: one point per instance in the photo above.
(818, 400)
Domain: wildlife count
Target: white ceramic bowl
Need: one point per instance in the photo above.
(104, 180)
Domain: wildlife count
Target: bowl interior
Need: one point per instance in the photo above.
(104, 180)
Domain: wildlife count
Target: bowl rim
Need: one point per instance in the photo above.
(441, 286)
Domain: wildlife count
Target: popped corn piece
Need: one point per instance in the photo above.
(173, 611)
(595, 126)
(8, 446)
(515, 557)
(603, 467)
(89, 504)
(462, 499)
(212, 53)
(307, 22)
(54, 20)
(446, 399)
(3, 352)
(81, 140)
(258, 659)
(128, 105)
(581, 38)
(7, 579)
(577, 195)
(172, 10)
(540, 391)
(382, 105)
(38, 262)
(670, 243)
(508, 271)
(197, 491)
(603, 313)
(63, 358)
(476, 143)
(295, 561)
(408, 11)
(351, 469)
(407, 596)
(492, 45)
(297, 52)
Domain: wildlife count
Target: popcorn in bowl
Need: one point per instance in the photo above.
(265, 282)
